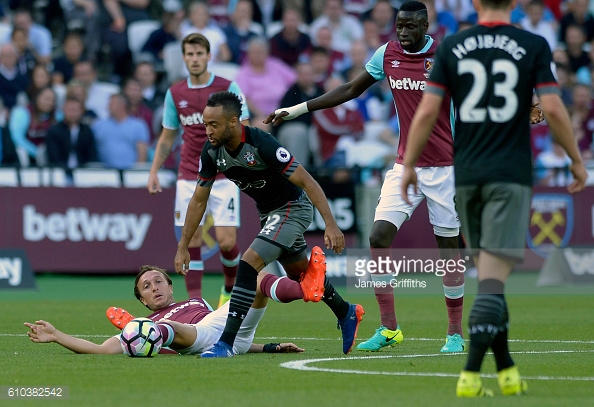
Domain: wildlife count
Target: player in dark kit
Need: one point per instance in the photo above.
(491, 71)
(406, 64)
(282, 189)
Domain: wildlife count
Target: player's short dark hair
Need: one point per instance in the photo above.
(144, 269)
(228, 100)
(496, 4)
(415, 7)
(195, 39)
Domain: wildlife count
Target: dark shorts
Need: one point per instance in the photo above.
(495, 217)
(281, 236)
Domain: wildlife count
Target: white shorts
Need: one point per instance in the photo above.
(210, 329)
(223, 203)
(434, 183)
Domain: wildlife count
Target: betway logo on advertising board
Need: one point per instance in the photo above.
(407, 84)
(77, 224)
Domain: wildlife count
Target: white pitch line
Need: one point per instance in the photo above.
(303, 365)
(282, 338)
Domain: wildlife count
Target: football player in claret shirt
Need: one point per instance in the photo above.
(285, 194)
(188, 327)
(184, 106)
(406, 64)
(490, 71)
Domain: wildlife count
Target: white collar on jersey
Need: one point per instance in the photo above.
(425, 48)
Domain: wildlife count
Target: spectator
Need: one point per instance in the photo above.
(115, 16)
(290, 42)
(146, 76)
(575, 41)
(83, 16)
(8, 154)
(342, 124)
(295, 134)
(12, 81)
(565, 84)
(321, 66)
(521, 12)
(168, 32)
(437, 30)
(199, 22)
(552, 167)
(534, 22)
(77, 90)
(358, 8)
(71, 143)
(257, 72)
(338, 59)
(384, 17)
(371, 36)
(240, 29)
(462, 10)
(358, 57)
(40, 79)
(122, 140)
(39, 37)
(97, 93)
(138, 108)
(26, 57)
(219, 11)
(73, 49)
(345, 28)
(269, 11)
(580, 15)
(29, 125)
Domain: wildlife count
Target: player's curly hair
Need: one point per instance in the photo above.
(144, 269)
(228, 100)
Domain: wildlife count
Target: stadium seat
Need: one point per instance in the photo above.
(225, 70)
(172, 59)
(89, 178)
(138, 33)
(30, 177)
(139, 178)
(9, 177)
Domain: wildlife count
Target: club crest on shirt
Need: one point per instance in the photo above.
(250, 158)
(428, 64)
(183, 104)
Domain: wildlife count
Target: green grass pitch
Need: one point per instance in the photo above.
(552, 336)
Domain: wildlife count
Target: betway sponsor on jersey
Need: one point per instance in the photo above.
(407, 84)
(77, 224)
(194, 118)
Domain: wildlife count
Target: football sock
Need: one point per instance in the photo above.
(453, 289)
(332, 299)
(242, 297)
(230, 260)
(281, 289)
(503, 359)
(484, 322)
(384, 295)
(193, 278)
(167, 332)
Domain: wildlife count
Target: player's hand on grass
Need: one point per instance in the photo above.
(182, 261)
(153, 184)
(334, 238)
(409, 177)
(536, 114)
(579, 177)
(41, 331)
(289, 348)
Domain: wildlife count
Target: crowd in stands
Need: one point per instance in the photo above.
(82, 82)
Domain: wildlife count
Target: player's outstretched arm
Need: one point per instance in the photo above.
(562, 131)
(420, 130)
(44, 332)
(196, 209)
(276, 348)
(333, 236)
(335, 97)
(162, 151)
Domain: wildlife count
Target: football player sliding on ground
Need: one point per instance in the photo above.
(191, 327)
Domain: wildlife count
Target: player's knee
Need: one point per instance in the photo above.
(379, 240)
(226, 245)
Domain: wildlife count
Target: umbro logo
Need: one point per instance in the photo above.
(395, 64)
(183, 104)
